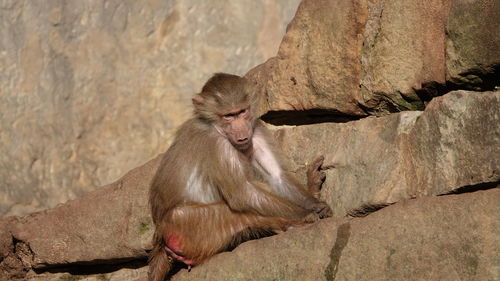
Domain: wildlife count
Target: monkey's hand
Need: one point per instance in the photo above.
(315, 176)
(320, 210)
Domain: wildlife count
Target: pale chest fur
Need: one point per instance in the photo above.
(263, 159)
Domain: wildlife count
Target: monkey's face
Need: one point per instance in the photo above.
(238, 127)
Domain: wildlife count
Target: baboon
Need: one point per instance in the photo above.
(221, 181)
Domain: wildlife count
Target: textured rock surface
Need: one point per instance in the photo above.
(470, 46)
(92, 89)
(400, 52)
(317, 65)
(454, 237)
(384, 159)
(125, 274)
(111, 223)
(454, 143)
(450, 237)
(358, 57)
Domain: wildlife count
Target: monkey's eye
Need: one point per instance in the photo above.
(229, 116)
(232, 115)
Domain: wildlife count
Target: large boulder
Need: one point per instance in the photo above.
(90, 90)
(364, 57)
(453, 237)
(377, 160)
(112, 223)
(450, 237)
(454, 143)
(472, 51)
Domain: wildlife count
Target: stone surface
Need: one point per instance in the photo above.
(454, 143)
(92, 89)
(125, 274)
(112, 75)
(454, 237)
(471, 46)
(110, 224)
(449, 146)
(314, 67)
(373, 57)
(450, 237)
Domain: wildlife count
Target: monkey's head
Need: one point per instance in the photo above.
(226, 101)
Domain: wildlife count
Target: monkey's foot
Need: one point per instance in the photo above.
(173, 248)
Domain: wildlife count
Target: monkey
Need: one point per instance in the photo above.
(221, 182)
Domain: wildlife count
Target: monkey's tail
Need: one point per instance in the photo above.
(159, 262)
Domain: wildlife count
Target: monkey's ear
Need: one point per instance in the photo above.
(198, 101)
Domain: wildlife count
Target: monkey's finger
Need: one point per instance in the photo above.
(315, 182)
(178, 257)
(316, 165)
(329, 211)
(323, 210)
(312, 217)
(173, 254)
(322, 177)
(325, 213)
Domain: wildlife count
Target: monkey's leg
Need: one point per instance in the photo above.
(196, 232)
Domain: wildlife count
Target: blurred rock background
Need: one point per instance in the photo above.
(92, 89)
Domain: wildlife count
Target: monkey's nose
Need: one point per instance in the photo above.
(242, 140)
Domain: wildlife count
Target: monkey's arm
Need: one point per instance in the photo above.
(255, 197)
(283, 183)
(307, 199)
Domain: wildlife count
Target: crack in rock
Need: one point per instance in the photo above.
(343, 234)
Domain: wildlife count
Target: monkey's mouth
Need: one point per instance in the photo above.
(242, 145)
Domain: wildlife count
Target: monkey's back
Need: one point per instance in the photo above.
(183, 173)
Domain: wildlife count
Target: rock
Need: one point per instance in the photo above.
(128, 274)
(385, 159)
(339, 61)
(6, 243)
(374, 57)
(314, 67)
(405, 155)
(89, 91)
(11, 254)
(76, 48)
(454, 237)
(110, 224)
(431, 238)
(471, 50)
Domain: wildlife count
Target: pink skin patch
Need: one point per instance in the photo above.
(173, 248)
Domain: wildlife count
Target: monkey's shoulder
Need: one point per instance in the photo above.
(194, 142)
(194, 132)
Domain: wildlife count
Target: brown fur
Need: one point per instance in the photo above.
(212, 191)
